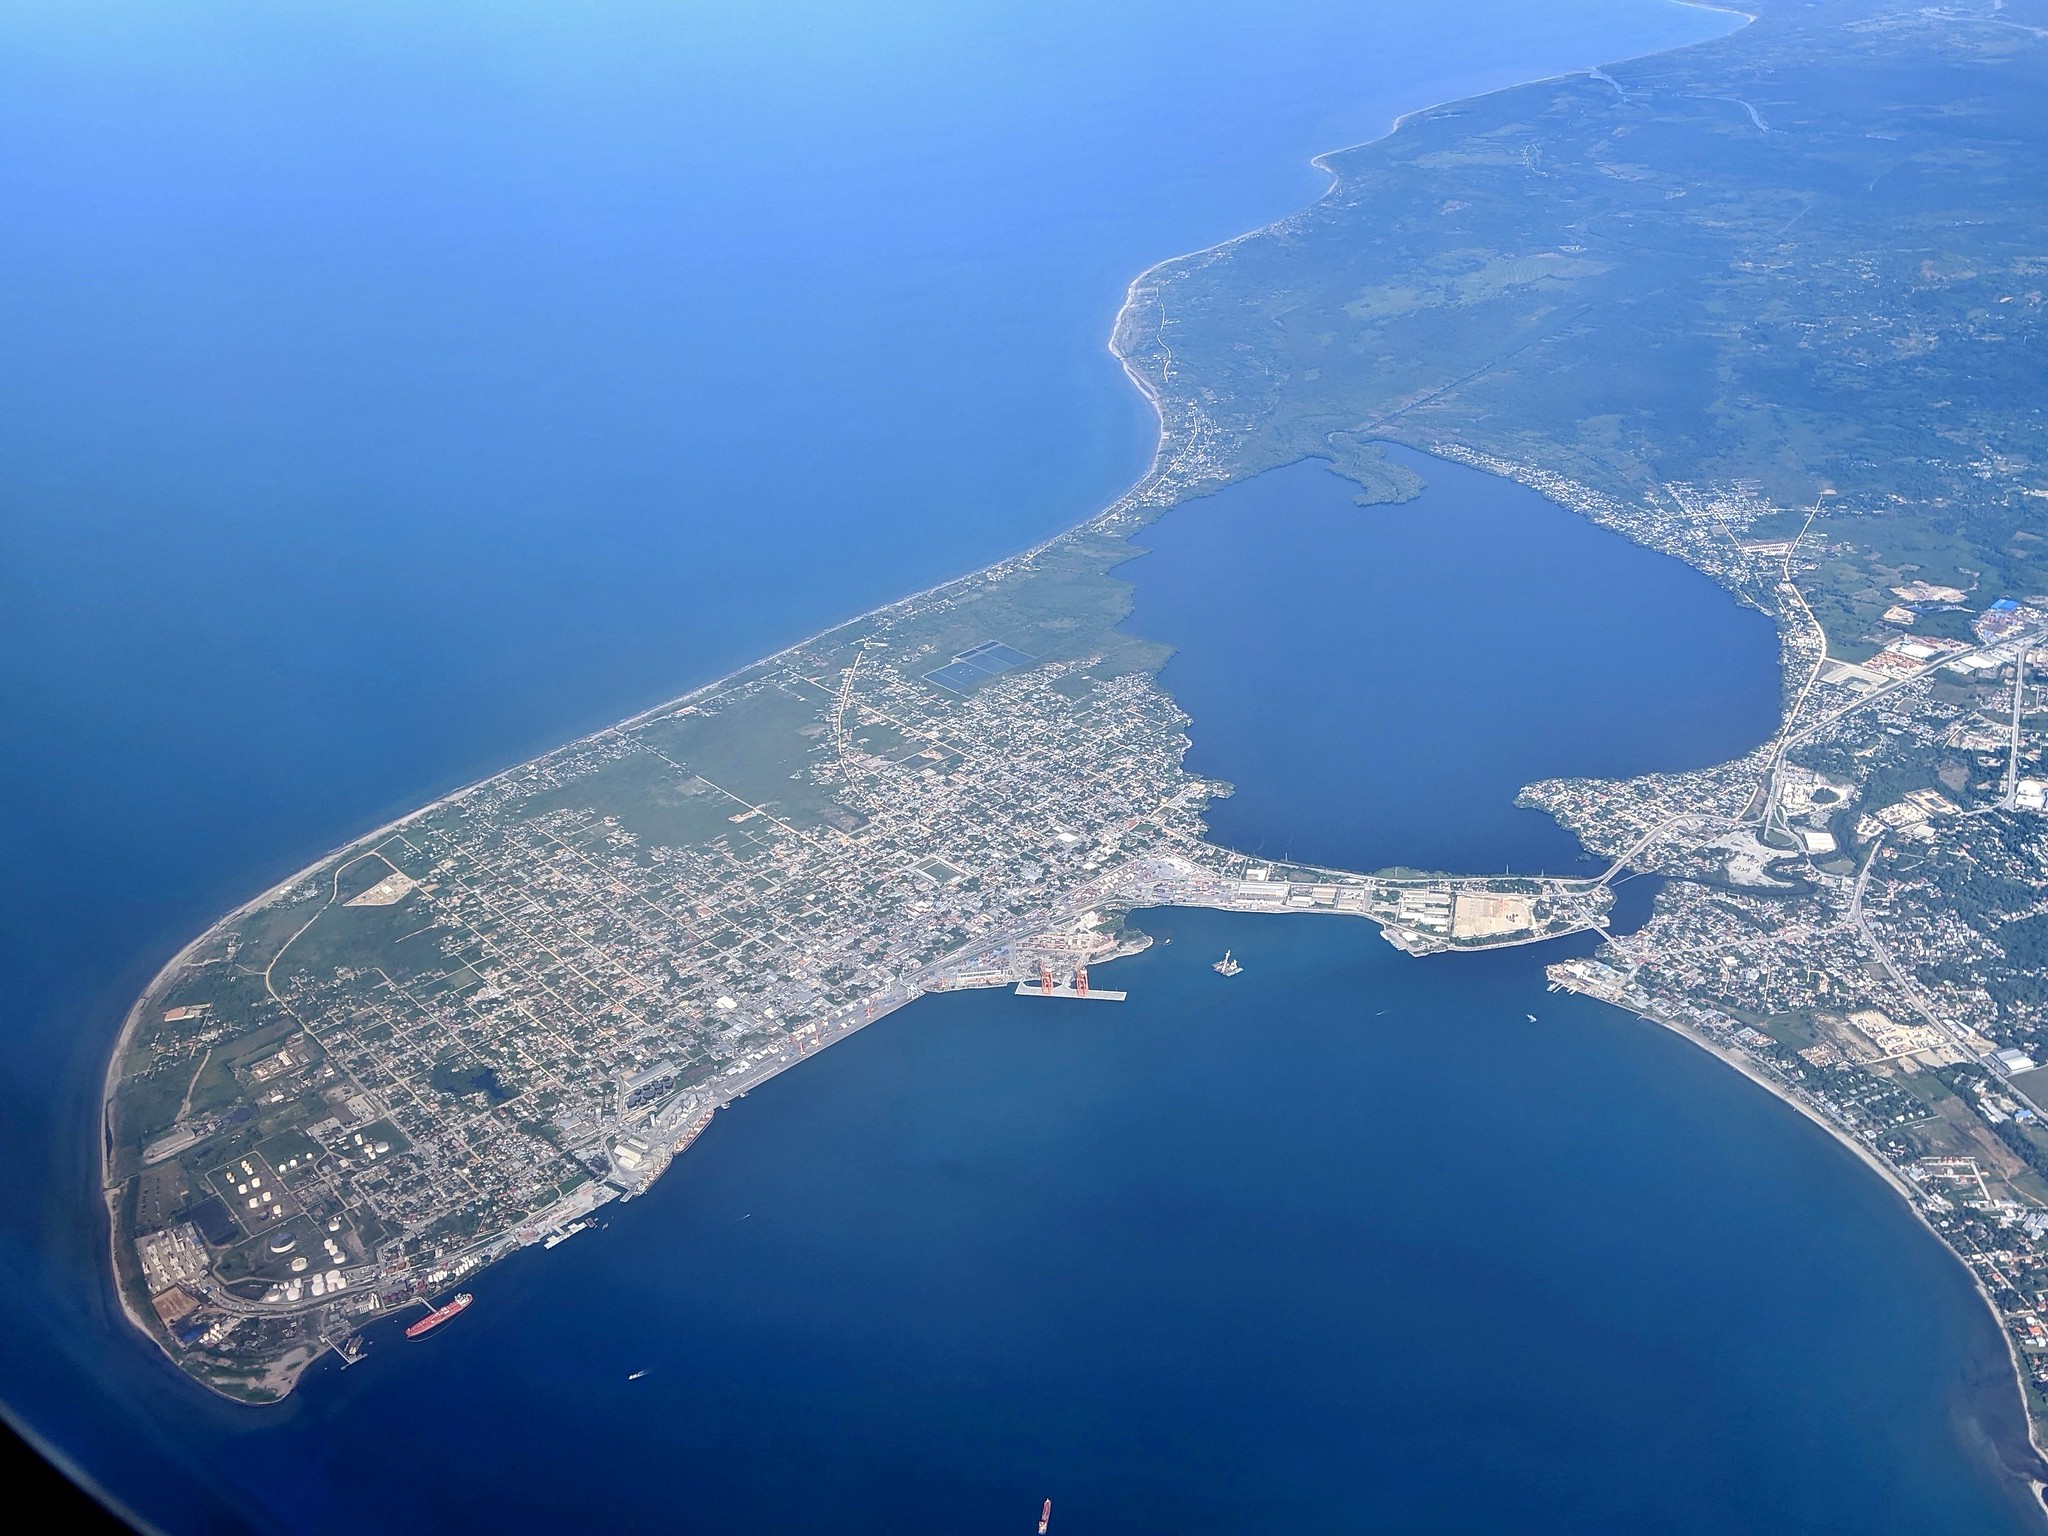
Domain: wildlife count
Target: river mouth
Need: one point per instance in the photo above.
(1378, 683)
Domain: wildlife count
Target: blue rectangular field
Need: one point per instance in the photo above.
(958, 676)
(996, 656)
(977, 664)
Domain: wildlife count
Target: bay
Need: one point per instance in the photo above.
(1345, 1242)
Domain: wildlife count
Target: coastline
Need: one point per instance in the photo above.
(1158, 475)
(1898, 1186)
(1321, 161)
(1131, 497)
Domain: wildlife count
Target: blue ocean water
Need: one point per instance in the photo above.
(1345, 1243)
(395, 390)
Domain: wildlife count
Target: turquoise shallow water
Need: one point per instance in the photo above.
(395, 390)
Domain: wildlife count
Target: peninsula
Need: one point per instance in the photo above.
(464, 1033)
(1771, 304)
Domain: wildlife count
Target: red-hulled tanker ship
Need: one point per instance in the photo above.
(439, 1315)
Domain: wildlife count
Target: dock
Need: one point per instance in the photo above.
(1063, 989)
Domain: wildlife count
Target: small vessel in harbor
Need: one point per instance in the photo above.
(1227, 966)
(1045, 1517)
(440, 1315)
(635, 1375)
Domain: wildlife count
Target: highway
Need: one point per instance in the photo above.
(2012, 760)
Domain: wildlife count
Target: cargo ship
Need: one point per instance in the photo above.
(439, 1315)
(1045, 1517)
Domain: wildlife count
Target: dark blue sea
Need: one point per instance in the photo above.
(394, 390)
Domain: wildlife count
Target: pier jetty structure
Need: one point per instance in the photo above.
(1076, 988)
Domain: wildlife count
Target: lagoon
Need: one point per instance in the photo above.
(1381, 700)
